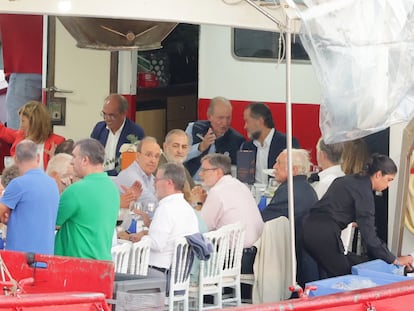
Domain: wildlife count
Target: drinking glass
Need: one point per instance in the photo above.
(133, 206)
(271, 187)
(8, 161)
(150, 209)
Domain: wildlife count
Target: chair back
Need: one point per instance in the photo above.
(179, 274)
(346, 237)
(139, 258)
(120, 256)
(234, 253)
(211, 270)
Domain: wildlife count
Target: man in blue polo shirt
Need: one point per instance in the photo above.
(29, 204)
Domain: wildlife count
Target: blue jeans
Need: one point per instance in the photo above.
(22, 88)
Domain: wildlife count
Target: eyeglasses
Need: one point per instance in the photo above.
(151, 155)
(109, 116)
(156, 179)
(208, 169)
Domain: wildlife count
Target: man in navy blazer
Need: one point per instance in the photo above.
(114, 130)
(265, 141)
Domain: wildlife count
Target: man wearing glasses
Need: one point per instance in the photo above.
(228, 201)
(113, 131)
(142, 170)
(173, 218)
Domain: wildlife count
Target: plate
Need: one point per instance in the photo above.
(269, 171)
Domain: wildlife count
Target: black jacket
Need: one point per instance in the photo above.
(229, 144)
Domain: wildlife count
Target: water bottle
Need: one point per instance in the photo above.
(262, 203)
(1, 240)
(133, 227)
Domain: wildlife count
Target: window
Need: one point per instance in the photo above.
(263, 44)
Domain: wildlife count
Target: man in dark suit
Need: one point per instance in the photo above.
(115, 130)
(265, 141)
(212, 136)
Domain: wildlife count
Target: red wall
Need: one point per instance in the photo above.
(305, 121)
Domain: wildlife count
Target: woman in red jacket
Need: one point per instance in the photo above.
(35, 124)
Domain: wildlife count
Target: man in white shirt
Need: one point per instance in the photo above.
(265, 141)
(329, 160)
(173, 218)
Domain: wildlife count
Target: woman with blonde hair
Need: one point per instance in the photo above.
(35, 124)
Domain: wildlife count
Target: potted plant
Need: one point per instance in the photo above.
(128, 151)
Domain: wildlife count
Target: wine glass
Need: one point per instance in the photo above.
(133, 206)
(150, 209)
(271, 187)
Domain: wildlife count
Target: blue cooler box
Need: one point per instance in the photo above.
(381, 269)
(346, 283)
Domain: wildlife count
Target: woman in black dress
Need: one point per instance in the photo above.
(350, 199)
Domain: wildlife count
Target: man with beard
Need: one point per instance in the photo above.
(265, 141)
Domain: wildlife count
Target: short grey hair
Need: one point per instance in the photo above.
(333, 151)
(174, 132)
(122, 102)
(176, 173)
(220, 161)
(91, 148)
(26, 150)
(146, 138)
(9, 173)
(301, 160)
(59, 163)
(214, 101)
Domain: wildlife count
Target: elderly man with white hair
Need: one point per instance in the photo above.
(304, 198)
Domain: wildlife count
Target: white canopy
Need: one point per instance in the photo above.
(363, 55)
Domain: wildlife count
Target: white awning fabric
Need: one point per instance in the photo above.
(363, 55)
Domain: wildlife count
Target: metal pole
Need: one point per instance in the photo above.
(265, 13)
(289, 148)
(291, 202)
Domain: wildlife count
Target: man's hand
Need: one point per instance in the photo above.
(130, 194)
(207, 141)
(123, 235)
(198, 194)
(136, 237)
(5, 217)
(144, 216)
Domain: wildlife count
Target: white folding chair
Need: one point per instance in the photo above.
(120, 256)
(139, 258)
(179, 276)
(232, 263)
(210, 276)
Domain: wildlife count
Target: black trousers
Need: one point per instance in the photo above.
(249, 254)
(322, 239)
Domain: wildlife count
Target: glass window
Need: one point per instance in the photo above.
(264, 45)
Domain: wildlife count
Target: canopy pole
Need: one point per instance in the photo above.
(289, 147)
(291, 212)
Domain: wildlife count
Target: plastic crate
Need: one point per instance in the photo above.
(133, 292)
(346, 283)
(379, 268)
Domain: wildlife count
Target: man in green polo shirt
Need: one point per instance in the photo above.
(88, 209)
